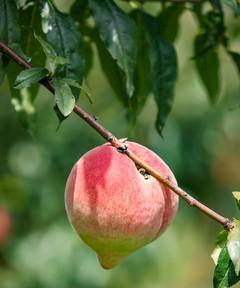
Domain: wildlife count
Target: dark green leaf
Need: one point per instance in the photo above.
(10, 32)
(66, 40)
(53, 60)
(110, 69)
(236, 195)
(60, 116)
(163, 70)
(224, 274)
(208, 67)
(233, 245)
(212, 23)
(79, 10)
(72, 83)
(64, 97)
(47, 48)
(118, 32)
(30, 21)
(75, 84)
(236, 59)
(169, 21)
(29, 77)
(142, 77)
(221, 241)
(234, 5)
(222, 238)
(2, 70)
(4, 61)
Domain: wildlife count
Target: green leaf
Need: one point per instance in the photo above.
(66, 40)
(208, 67)
(10, 32)
(53, 60)
(220, 242)
(224, 274)
(10, 29)
(222, 238)
(79, 10)
(30, 21)
(29, 77)
(118, 32)
(235, 58)
(61, 60)
(2, 70)
(236, 195)
(169, 21)
(4, 61)
(233, 245)
(75, 84)
(111, 71)
(212, 23)
(163, 70)
(72, 83)
(64, 97)
(142, 77)
(234, 5)
(47, 48)
(80, 13)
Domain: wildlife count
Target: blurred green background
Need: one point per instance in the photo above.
(201, 145)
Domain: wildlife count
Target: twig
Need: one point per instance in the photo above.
(227, 223)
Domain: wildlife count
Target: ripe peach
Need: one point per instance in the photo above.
(115, 207)
(5, 226)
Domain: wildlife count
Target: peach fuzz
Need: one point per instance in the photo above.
(115, 207)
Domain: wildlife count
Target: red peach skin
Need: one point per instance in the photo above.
(113, 207)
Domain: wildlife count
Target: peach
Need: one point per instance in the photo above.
(5, 226)
(115, 207)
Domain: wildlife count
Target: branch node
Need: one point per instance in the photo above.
(123, 149)
(95, 118)
(228, 225)
(123, 140)
(191, 201)
(110, 138)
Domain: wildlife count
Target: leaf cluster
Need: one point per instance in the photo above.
(226, 255)
(136, 50)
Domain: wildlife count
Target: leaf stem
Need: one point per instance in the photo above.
(115, 142)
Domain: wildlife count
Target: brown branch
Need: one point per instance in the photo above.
(227, 223)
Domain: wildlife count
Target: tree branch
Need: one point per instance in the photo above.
(227, 223)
